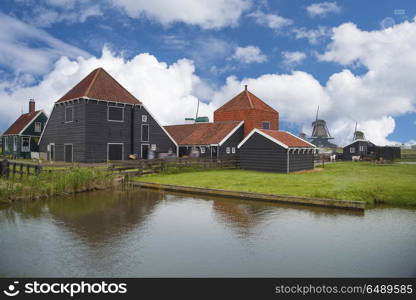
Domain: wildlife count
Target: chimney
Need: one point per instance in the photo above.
(31, 105)
(245, 87)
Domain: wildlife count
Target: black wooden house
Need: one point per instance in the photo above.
(359, 147)
(99, 120)
(275, 151)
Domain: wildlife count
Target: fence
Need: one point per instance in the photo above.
(12, 168)
(151, 166)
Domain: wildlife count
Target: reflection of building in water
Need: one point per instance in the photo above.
(97, 217)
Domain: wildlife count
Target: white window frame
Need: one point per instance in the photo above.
(352, 150)
(72, 119)
(144, 118)
(148, 133)
(108, 113)
(67, 144)
(21, 145)
(202, 149)
(6, 143)
(108, 149)
(262, 124)
(14, 143)
(362, 149)
(153, 147)
(233, 150)
(227, 150)
(38, 126)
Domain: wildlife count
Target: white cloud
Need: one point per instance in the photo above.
(207, 14)
(17, 54)
(293, 58)
(249, 54)
(323, 8)
(314, 36)
(167, 90)
(272, 21)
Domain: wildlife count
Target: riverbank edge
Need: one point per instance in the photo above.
(332, 203)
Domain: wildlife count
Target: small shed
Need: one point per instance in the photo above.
(359, 147)
(275, 151)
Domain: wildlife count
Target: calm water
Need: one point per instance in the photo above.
(148, 233)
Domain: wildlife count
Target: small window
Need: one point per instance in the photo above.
(69, 114)
(362, 148)
(25, 144)
(15, 143)
(6, 143)
(144, 118)
(153, 147)
(116, 114)
(38, 126)
(233, 150)
(266, 125)
(227, 150)
(202, 150)
(145, 133)
(352, 150)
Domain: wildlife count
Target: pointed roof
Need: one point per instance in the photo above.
(203, 133)
(244, 101)
(282, 138)
(21, 123)
(100, 85)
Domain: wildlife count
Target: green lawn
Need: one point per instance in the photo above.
(391, 184)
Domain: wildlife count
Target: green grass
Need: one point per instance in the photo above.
(390, 184)
(52, 183)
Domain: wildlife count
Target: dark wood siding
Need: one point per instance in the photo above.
(231, 142)
(261, 154)
(91, 132)
(60, 132)
(300, 161)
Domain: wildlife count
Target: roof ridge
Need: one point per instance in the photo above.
(119, 84)
(249, 99)
(92, 81)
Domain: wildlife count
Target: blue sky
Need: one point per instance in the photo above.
(288, 44)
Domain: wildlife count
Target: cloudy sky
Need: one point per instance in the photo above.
(355, 59)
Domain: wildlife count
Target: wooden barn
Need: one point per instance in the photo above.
(99, 120)
(21, 139)
(275, 151)
(213, 140)
(359, 147)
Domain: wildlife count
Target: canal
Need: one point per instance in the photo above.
(145, 233)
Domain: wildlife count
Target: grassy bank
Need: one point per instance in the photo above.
(390, 184)
(53, 183)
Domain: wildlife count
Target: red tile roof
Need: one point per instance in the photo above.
(202, 133)
(246, 100)
(21, 123)
(101, 86)
(288, 139)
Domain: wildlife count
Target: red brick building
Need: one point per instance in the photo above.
(248, 108)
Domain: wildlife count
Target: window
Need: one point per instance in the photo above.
(38, 126)
(145, 133)
(25, 144)
(352, 150)
(227, 150)
(362, 148)
(266, 125)
(202, 150)
(15, 143)
(233, 150)
(115, 114)
(144, 118)
(69, 114)
(6, 143)
(153, 147)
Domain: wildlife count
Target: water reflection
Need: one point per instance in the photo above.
(151, 233)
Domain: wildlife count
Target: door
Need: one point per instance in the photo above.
(68, 153)
(115, 152)
(145, 151)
